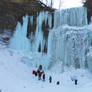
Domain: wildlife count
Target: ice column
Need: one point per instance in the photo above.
(19, 41)
(39, 39)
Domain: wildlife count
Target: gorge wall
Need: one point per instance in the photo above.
(88, 4)
(12, 11)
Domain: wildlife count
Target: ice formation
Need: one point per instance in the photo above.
(19, 40)
(68, 41)
(68, 45)
(71, 17)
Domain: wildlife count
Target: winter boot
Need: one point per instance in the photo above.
(50, 79)
(76, 81)
(43, 77)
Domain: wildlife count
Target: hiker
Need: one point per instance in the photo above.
(39, 73)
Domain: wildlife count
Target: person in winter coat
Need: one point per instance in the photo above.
(40, 72)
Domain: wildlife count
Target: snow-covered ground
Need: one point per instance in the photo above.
(16, 76)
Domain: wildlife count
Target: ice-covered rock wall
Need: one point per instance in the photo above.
(36, 41)
(39, 39)
(68, 40)
(89, 52)
(71, 17)
(19, 41)
(68, 45)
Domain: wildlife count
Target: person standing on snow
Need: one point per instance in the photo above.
(40, 72)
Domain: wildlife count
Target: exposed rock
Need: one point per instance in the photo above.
(12, 11)
(88, 4)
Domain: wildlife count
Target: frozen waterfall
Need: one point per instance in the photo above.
(19, 41)
(67, 42)
(89, 54)
(35, 43)
(39, 41)
(71, 17)
(69, 45)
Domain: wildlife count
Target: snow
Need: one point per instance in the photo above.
(16, 76)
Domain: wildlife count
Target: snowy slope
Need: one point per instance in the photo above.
(17, 77)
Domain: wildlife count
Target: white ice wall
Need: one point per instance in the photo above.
(19, 41)
(68, 45)
(72, 17)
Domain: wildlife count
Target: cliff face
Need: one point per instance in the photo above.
(88, 4)
(12, 11)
